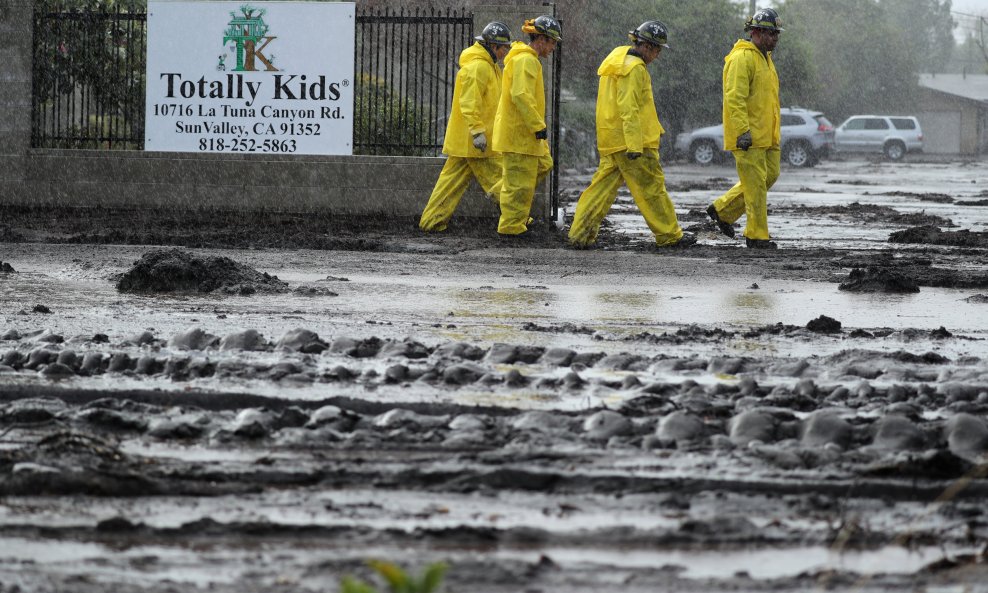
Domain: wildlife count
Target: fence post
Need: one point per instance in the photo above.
(16, 30)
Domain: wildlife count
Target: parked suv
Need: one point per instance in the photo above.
(891, 135)
(807, 136)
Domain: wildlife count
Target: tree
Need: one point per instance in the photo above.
(861, 63)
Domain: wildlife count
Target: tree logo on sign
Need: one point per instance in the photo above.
(249, 34)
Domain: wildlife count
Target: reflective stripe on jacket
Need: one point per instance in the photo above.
(521, 110)
(626, 117)
(475, 96)
(751, 97)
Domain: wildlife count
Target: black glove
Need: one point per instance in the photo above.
(744, 140)
(542, 134)
(633, 155)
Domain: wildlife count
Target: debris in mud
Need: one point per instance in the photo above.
(872, 213)
(6, 268)
(874, 279)
(563, 328)
(927, 197)
(932, 235)
(710, 184)
(972, 203)
(824, 325)
(851, 182)
(41, 309)
(977, 298)
(177, 270)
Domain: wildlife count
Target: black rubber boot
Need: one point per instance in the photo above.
(760, 244)
(724, 227)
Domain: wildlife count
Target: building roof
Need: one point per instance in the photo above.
(967, 86)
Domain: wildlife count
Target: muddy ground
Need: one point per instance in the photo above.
(229, 403)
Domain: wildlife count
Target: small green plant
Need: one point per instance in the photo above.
(398, 580)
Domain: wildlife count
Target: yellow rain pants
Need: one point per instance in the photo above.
(453, 182)
(758, 168)
(646, 181)
(521, 173)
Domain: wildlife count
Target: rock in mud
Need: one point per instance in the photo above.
(56, 371)
(92, 363)
(825, 427)
(752, 426)
(175, 429)
(897, 433)
(400, 417)
(462, 374)
(32, 410)
(462, 350)
(302, 340)
(967, 435)
(824, 325)
(6, 268)
(112, 420)
(177, 270)
(250, 340)
(406, 349)
(252, 423)
(977, 298)
(602, 425)
(542, 421)
(560, 357)
(194, 338)
(141, 339)
(511, 354)
(874, 279)
(680, 427)
(356, 348)
(469, 422)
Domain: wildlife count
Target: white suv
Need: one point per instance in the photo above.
(891, 135)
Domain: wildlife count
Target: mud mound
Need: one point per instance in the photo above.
(875, 279)
(177, 270)
(931, 235)
(872, 213)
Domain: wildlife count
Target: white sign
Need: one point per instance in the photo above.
(250, 77)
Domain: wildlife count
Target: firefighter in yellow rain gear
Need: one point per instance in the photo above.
(751, 130)
(628, 133)
(466, 145)
(520, 133)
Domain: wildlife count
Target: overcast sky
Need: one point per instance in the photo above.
(970, 6)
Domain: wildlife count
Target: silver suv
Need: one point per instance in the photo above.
(891, 135)
(807, 136)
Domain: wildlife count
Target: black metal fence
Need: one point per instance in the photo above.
(89, 69)
(406, 65)
(88, 77)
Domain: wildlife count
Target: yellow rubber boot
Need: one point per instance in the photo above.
(647, 183)
(446, 195)
(595, 202)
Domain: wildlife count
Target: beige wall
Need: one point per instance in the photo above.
(935, 102)
(390, 186)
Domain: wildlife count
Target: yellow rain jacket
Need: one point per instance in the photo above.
(475, 97)
(521, 110)
(626, 117)
(751, 97)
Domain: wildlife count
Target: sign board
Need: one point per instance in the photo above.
(250, 77)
